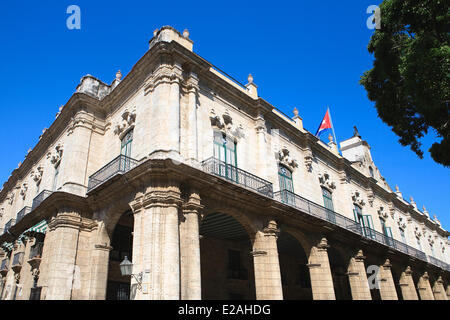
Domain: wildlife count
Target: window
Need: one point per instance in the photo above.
(387, 232)
(365, 221)
(371, 172)
(402, 234)
(38, 187)
(327, 199)
(286, 184)
(55, 178)
(225, 151)
(419, 245)
(432, 250)
(125, 149)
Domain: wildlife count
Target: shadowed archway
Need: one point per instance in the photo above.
(293, 267)
(339, 267)
(226, 264)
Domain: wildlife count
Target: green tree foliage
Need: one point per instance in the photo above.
(409, 81)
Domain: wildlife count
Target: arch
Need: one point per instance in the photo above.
(293, 259)
(339, 263)
(118, 286)
(227, 271)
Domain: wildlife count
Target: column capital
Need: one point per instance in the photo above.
(360, 256)
(323, 244)
(271, 229)
(387, 264)
(408, 271)
(425, 276)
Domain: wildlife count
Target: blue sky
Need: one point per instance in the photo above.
(304, 54)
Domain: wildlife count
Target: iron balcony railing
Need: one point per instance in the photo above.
(36, 250)
(323, 213)
(22, 213)
(238, 176)
(439, 263)
(316, 210)
(9, 224)
(18, 259)
(39, 198)
(119, 165)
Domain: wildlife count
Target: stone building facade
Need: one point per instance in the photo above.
(212, 193)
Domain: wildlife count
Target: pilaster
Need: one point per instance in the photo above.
(424, 287)
(358, 278)
(387, 286)
(407, 285)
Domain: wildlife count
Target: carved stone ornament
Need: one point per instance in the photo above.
(36, 174)
(417, 232)
(382, 213)
(309, 157)
(325, 181)
(17, 277)
(443, 247)
(431, 240)
(401, 223)
(125, 123)
(2, 211)
(23, 190)
(357, 199)
(10, 198)
(370, 197)
(225, 124)
(56, 155)
(285, 159)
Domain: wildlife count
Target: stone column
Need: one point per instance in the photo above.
(439, 290)
(407, 285)
(156, 247)
(64, 231)
(387, 286)
(99, 271)
(192, 140)
(358, 278)
(191, 288)
(267, 266)
(320, 272)
(448, 292)
(261, 162)
(424, 287)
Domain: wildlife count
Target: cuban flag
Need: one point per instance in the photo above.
(325, 125)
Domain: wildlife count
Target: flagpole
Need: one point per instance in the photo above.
(332, 127)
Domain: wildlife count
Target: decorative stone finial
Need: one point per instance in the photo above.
(119, 75)
(155, 32)
(425, 211)
(295, 112)
(397, 189)
(330, 137)
(250, 78)
(186, 33)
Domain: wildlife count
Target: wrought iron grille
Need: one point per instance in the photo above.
(316, 210)
(18, 259)
(35, 293)
(39, 198)
(119, 165)
(9, 224)
(22, 213)
(323, 213)
(36, 250)
(238, 176)
(439, 263)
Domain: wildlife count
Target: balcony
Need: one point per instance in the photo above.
(39, 198)
(9, 224)
(119, 165)
(4, 267)
(36, 255)
(238, 176)
(323, 213)
(439, 263)
(316, 210)
(17, 262)
(22, 213)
